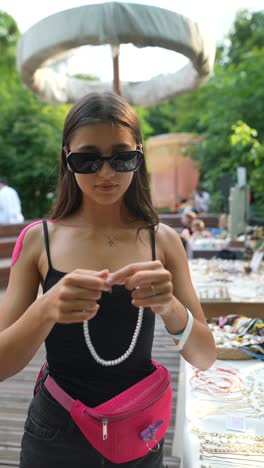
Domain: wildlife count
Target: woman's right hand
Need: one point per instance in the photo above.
(74, 298)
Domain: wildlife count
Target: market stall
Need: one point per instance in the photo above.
(226, 287)
(220, 412)
(219, 421)
(211, 247)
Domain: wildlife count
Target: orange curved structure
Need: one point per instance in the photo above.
(173, 174)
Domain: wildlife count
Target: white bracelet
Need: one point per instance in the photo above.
(183, 336)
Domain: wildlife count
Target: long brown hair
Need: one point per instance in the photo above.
(91, 109)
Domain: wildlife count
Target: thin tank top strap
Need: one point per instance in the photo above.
(153, 242)
(46, 237)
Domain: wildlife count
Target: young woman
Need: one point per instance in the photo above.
(107, 267)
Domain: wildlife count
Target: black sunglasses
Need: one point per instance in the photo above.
(90, 163)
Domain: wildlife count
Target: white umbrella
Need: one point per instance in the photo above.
(114, 23)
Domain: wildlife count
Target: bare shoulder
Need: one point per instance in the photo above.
(29, 241)
(170, 242)
(167, 232)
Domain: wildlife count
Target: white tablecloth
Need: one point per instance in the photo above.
(190, 413)
(218, 279)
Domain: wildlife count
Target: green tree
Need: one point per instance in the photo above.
(30, 131)
(9, 34)
(234, 93)
(246, 35)
(30, 139)
(246, 148)
(142, 113)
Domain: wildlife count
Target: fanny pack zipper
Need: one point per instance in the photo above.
(105, 419)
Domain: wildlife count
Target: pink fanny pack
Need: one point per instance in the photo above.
(128, 425)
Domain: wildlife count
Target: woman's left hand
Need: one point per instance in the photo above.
(150, 283)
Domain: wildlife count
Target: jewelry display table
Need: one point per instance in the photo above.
(210, 247)
(224, 288)
(210, 417)
(210, 252)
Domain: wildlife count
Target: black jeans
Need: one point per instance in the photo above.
(53, 440)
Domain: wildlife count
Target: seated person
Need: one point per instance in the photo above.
(198, 230)
(202, 200)
(188, 204)
(186, 221)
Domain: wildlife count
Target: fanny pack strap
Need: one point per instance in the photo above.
(58, 393)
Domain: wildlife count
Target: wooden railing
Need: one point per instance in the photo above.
(8, 237)
(174, 220)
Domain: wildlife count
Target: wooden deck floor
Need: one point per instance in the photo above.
(16, 393)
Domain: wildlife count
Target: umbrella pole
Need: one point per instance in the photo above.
(116, 80)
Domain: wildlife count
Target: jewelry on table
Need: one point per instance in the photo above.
(217, 443)
(228, 336)
(229, 459)
(217, 379)
(248, 399)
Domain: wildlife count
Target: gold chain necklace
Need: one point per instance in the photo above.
(223, 443)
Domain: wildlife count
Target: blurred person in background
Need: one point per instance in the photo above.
(188, 204)
(10, 205)
(198, 230)
(202, 200)
(186, 221)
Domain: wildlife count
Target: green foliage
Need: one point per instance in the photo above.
(229, 103)
(142, 114)
(30, 132)
(82, 76)
(247, 34)
(227, 99)
(30, 136)
(246, 148)
(161, 117)
(9, 34)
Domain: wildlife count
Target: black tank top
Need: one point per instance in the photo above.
(69, 359)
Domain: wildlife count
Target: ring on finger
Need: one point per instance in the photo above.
(153, 289)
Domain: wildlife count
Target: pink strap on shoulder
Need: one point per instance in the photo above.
(19, 242)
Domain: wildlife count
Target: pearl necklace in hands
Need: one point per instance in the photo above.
(129, 351)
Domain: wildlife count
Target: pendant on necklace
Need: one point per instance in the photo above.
(110, 241)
